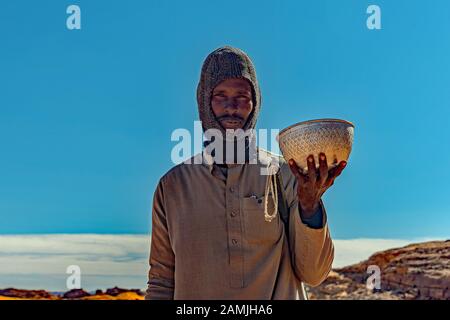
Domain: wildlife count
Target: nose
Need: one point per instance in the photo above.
(231, 106)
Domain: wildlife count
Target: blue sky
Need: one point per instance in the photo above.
(86, 115)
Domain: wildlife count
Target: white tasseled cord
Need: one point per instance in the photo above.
(271, 185)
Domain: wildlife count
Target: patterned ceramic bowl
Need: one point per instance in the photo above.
(334, 137)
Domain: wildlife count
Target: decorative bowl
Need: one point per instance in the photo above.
(334, 137)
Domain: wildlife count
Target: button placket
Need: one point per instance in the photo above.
(234, 229)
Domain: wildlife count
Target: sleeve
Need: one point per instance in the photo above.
(162, 259)
(312, 249)
(315, 221)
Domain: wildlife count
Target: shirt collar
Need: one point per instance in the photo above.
(263, 158)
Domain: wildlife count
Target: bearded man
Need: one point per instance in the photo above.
(210, 235)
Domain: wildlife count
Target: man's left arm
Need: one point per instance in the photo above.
(312, 249)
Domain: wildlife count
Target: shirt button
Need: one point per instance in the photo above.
(234, 241)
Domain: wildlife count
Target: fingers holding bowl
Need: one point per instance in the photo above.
(312, 171)
(296, 171)
(323, 168)
(334, 172)
(322, 175)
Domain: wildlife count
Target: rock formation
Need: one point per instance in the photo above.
(416, 271)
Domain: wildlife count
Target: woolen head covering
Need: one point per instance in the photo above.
(224, 63)
(221, 64)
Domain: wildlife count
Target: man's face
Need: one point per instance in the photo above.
(232, 102)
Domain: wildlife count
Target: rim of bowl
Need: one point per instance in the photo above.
(314, 121)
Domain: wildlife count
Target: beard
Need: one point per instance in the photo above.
(234, 150)
(231, 122)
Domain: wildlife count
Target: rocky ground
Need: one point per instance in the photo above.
(78, 294)
(417, 271)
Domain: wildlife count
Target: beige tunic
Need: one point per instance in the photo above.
(210, 239)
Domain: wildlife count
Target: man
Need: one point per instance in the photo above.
(210, 239)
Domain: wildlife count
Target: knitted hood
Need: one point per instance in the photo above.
(221, 64)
